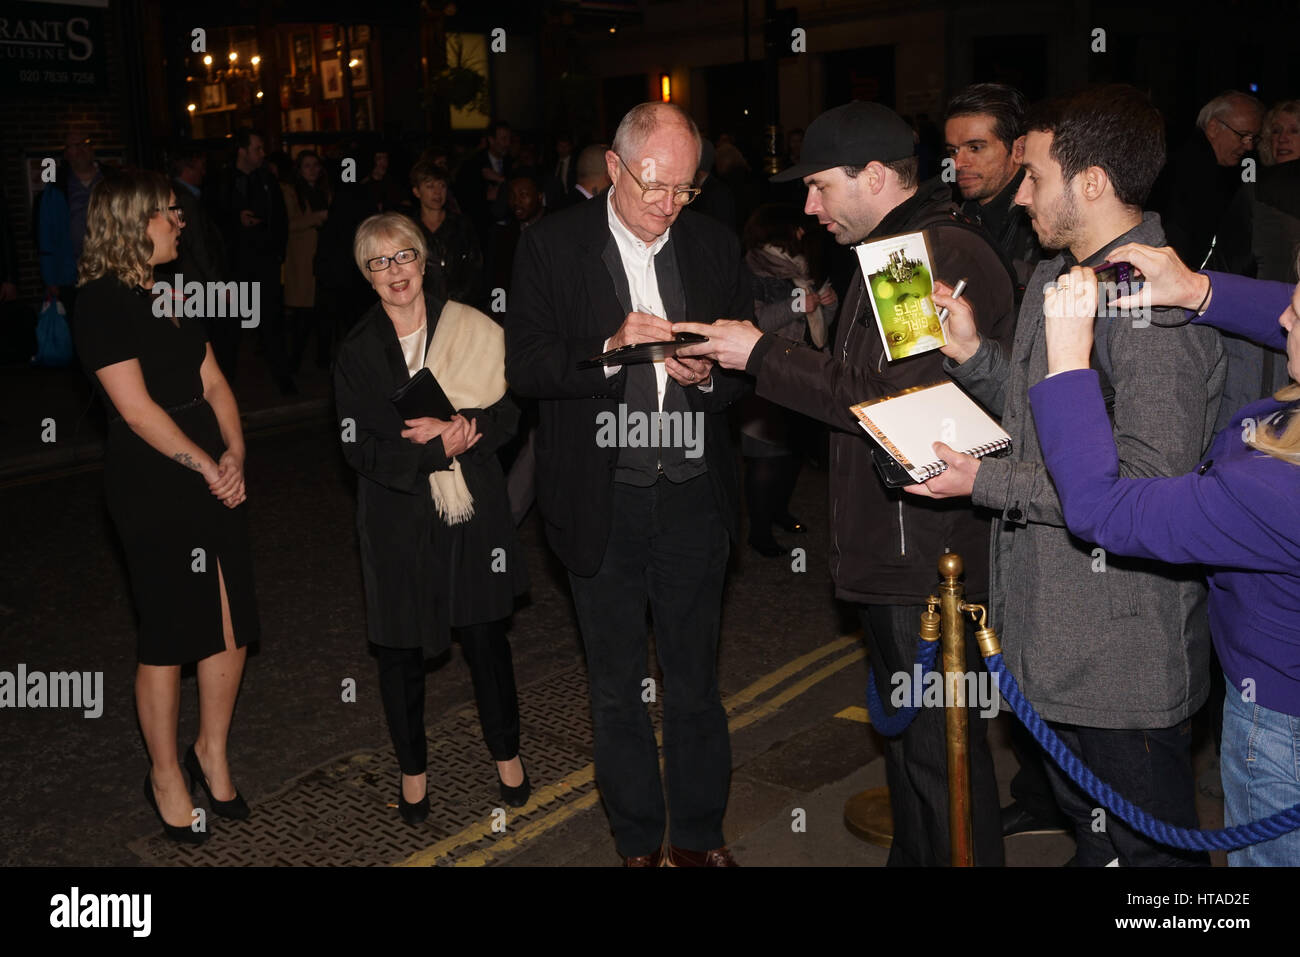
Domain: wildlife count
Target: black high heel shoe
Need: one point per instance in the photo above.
(181, 835)
(236, 808)
(413, 812)
(518, 795)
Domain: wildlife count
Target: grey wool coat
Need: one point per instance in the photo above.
(1096, 639)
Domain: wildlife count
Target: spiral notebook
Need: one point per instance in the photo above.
(905, 427)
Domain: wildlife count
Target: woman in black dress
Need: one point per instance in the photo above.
(438, 545)
(174, 481)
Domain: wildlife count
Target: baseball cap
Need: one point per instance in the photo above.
(854, 134)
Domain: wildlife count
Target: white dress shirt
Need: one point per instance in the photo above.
(643, 285)
(639, 265)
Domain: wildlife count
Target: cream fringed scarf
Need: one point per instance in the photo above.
(468, 358)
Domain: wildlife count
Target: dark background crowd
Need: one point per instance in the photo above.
(1229, 197)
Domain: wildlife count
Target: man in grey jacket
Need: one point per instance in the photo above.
(1113, 652)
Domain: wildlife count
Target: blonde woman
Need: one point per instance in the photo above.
(1280, 137)
(1237, 514)
(174, 480)
(438, 546)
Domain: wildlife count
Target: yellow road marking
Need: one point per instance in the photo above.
(855, 713)
(774, 705)
(780, 674)
(529, 832)
(476, 832)
(585, 775)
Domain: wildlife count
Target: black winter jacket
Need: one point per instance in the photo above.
(886, 543)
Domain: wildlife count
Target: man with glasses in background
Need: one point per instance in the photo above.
(642, 517)
(1199, 181)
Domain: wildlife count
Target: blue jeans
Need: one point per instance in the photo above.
(1260, 766)
(1152, 767)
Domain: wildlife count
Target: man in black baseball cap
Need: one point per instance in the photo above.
(838, 146)
(860, 168)
(852, 135)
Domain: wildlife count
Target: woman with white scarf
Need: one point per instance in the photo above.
(787, 302)
(438, 548)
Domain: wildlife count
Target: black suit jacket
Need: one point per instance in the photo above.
(471, 189)
(559, 192)
(251, 251)
(563, 305)
(202, 249)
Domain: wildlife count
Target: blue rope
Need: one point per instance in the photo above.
(893, 725)
(1227, 839)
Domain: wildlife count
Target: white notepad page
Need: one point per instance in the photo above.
(908, 425)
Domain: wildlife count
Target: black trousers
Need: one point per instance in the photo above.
(667, 548)
(1152, 768)
(303, 323)
(401, 686)
(1030, 787)
(916, 762)
(769, 483)
(272, 328)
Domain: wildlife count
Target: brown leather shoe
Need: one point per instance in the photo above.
(718, 857)
(646, 860)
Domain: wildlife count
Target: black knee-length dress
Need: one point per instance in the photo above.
(174, 531)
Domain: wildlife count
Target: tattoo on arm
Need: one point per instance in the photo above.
(186, 460)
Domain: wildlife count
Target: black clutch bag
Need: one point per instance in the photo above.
(421, 397)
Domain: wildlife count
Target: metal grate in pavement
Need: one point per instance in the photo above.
(338, 814)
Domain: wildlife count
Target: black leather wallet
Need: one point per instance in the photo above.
(643, 351)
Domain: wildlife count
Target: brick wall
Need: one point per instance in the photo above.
(41, 123)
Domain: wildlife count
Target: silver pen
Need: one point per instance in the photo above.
(956, 294)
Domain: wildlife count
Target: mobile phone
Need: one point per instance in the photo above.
(1112, 275)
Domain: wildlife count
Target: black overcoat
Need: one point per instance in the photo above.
(422, 577)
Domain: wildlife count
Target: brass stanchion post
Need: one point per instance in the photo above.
(960, 836)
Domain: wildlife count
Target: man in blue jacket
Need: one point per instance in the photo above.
(61, 218)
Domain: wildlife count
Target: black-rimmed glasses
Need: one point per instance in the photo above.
(401, 257)
(682, 196)
(1252, 137)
